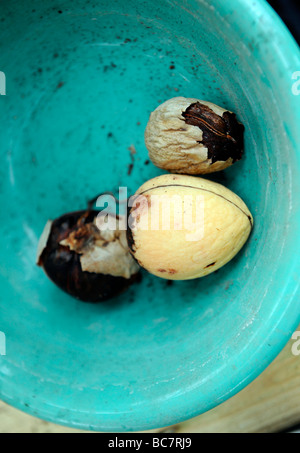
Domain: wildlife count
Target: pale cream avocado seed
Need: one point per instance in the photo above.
(184, 227)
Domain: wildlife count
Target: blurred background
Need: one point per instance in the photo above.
(270, 404)
(289, 11)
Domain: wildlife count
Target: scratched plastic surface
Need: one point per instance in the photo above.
(81, 83)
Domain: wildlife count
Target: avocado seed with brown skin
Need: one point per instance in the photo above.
(190, 136)
(88, 262)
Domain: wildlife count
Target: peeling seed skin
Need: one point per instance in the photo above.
(189, 136)
(64, 266)
(170, 254)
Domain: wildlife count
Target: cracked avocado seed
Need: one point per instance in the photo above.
(189, 136)
(88, 262)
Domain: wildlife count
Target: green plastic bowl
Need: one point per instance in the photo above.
(80, 85)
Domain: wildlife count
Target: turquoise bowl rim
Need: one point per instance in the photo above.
(253, 359)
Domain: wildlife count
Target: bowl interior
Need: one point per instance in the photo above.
(81, 83)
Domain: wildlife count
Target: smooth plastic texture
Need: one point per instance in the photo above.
(80, 85)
